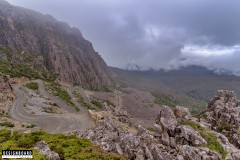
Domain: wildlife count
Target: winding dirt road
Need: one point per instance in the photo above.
(53, 123)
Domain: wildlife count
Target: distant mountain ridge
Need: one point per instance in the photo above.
(29, 37)
(191, 69)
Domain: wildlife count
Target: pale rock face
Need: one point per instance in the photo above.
(43, 42)
(182, 112)
(167, 119)
(185, 134)
(224, 111)
(45, 150)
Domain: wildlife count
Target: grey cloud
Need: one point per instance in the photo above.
(150, 33)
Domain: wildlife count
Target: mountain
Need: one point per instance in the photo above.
(193, 81)
(42, 42)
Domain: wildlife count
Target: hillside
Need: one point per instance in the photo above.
(196, 83)
(57, 99)
(42, 42)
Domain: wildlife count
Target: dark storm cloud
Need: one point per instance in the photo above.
(153, 33)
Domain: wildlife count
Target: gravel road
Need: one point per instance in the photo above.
(54, 123)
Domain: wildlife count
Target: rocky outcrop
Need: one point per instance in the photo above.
(28, 37)
(187, 135)
(182, 112)
(6, 95)
(170, 139)
(167, 119)
(223, 115)
(43, 148)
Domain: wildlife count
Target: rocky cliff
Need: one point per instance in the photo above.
(176, 135)
(41, 41)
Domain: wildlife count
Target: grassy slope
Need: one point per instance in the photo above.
(68, 147)
(23, 70)
(56, 89)
(32, 85)
(81, 100)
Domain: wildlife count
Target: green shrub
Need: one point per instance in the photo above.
(31, 126)
(212, 142)
(151, 129)
(56, 89)
(7, 124)
(109, 103)
(68, 147)
(4, 135)
(224, 126)
(197, 108)
(32, 85)
(80, 99)
(96, 103)
(24, 70)
(167, 100)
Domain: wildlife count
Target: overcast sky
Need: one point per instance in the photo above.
(154, 33)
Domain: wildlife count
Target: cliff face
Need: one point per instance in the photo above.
(45, 43)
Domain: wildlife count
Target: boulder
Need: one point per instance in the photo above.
(185, 134)
(167, 119)
(189, 153)
(182, 112)
(45, 150)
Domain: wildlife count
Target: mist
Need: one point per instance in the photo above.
(155, 33)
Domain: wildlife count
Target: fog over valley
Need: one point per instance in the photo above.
(154, 34)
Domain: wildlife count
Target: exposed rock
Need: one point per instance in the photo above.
(97, 116)
(45, 150)
(41, 41)
(167, 119)
(186, 135)
(165, 139)
(182, 112)
(160, 145)
(224, 115)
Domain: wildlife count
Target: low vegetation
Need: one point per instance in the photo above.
(7, 124)
(68, 147)
(7, 51)
(172, 100)
(97, 103)
(109, 103)
(24, 70)
(167, 100)
(31, 126)
(197, 107)
(224, 126)
(212, 142)
(81, 100)
(32, 85)
(56, 89)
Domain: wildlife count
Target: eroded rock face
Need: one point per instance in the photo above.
(45, 150)
(187, 135)
(223, 114)
(170, 140)
(182, 112)
(43, 42)
(6, 95)
(167, 119)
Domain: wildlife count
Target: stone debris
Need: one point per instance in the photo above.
(45, 150)
(170, 140)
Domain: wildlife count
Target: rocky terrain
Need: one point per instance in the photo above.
(46, 71)
(223, 115)
(28, 37)
(176, 134)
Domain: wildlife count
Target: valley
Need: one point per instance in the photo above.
(59, 98)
